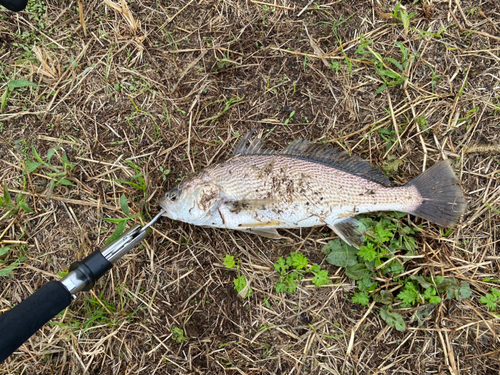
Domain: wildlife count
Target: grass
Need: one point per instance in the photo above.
(129, 100)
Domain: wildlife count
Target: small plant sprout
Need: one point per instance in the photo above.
(7, 266)
(122, 222)
(11, 86)
(229, 261)
(290, 117)
(136, 181)
(164, 172)
(240, 282)
(491, 300)
(12, 208)
(178, 335)
(402, 15)
(293, 269)
(391, 71)
(58, 175)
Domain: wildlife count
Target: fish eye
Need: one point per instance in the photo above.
(173, 194)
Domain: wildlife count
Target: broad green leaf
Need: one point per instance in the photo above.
(25, 207)
(357, 271)
(409, 295)
(297, 261)
(281, 287)
(120, 228)
(124, 205)
(20, 83)
(489, 300)
(363, 298)
(465, 291)
(380, 89)
(394, 267)
(240, 283)
(116, 221)
(321, 278)
(393, 319)
(395, 62)
(366, 284)
(4, 250)
(6, 196)
(340, 253)
(229, 261)
(367, 252)
(6, 270)
(423, 312)
(281, 266)
(390, 74)
(65, 182)
(430, 295)
(51, 153)
(385, 297)
(66, 162)
(35, 154)
(32, 166)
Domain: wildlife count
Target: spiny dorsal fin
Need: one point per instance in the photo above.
(318, 153)
(254, 148)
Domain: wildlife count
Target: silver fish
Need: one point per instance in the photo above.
(306, 185)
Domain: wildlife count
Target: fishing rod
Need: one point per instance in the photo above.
(22, 321)
(14, 5)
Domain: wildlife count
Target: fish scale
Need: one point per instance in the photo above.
(306, 185)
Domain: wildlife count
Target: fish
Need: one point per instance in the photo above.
(259, 190)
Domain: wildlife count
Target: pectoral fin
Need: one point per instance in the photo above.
(351, 231)
(268, 233)
(264, 229)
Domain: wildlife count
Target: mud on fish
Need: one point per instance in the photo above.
(306, 185)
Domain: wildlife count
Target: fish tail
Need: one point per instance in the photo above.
(443, 201)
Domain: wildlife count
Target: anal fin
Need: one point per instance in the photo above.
(351, 231)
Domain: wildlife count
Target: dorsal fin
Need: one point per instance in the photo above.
(302, 149)
(254, 148)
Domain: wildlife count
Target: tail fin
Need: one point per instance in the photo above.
(443, 200)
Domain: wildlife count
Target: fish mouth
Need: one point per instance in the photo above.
(163, 203)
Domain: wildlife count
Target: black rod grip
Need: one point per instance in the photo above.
(19, 323)
(14, 5)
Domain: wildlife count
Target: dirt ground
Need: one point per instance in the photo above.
(140, 94)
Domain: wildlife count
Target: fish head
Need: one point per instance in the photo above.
(192, 202)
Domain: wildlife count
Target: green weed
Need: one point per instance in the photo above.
(122, 222)
(11, 86)
(240, 282)
(293, 269)
(178, 335)
(228, 103)
(229, 261)
(389, 245)
(136, 181)
(491, 299)
(164, 172)
(390, 70)
(12, 265)
(12, 208)
(402, 15)
(97, 312)
(290, 117)
(58, 174)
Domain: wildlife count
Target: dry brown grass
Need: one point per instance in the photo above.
(148, 82)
